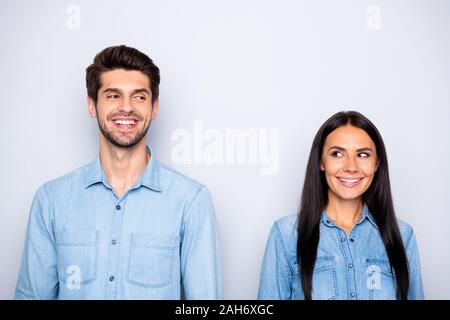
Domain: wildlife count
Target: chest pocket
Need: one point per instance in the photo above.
(324, 280)
(76, 257)
(151, 260)
(380, 280)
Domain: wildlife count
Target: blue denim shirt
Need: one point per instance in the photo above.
(347, 267)
(84, 242)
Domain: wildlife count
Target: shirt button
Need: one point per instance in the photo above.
(350, 265)
(111, 278)
(328, 221)
(113, 242)
(352, 240)
(352, 294)
(118, 207)
(343, 239)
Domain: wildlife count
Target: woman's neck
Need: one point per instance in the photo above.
(344, 213)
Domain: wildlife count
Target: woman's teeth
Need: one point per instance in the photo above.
(349, 180)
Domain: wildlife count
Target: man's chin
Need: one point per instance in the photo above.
(125, 140)
(124, 144)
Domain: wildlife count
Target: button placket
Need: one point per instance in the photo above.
(346, 245)
(114, 249)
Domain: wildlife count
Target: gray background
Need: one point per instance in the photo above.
(285, 65)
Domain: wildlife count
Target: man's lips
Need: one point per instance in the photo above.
(125, 123)
(349, 182)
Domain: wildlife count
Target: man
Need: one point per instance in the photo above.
(124, 226)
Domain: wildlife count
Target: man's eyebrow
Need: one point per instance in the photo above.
(145, 90)
(111, 90)
(116, 90)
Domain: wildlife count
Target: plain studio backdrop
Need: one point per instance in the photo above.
(245, 86)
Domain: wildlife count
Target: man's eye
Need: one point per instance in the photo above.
(142, 98)
(112, 96)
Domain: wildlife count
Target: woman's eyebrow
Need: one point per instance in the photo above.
(337, 147)
(343, 149)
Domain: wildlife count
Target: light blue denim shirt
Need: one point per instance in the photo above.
(158, 241)
(347, 267)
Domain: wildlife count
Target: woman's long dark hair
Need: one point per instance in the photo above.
(378, 199)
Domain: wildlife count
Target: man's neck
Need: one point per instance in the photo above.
(123, 166)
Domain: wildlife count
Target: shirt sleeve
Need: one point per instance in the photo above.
(200, 254)
(276, 275)
(415, 278)
(38, 277)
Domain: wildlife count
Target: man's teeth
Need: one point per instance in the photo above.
(125, 122)
(349, 180)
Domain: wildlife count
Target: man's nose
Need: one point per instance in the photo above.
(126, 105)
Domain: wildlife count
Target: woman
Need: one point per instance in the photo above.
(350, 244)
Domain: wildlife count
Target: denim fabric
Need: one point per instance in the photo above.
(157, 241)
(348, 267)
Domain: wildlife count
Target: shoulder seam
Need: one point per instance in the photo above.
(409, 237)
(197, 192)
(286, 256)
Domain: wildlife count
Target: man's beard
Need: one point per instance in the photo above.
(120, 140)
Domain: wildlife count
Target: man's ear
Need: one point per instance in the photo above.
(155, 106)
(91, 107)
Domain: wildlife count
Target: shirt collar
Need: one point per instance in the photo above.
(151, 178)
(365, 214)
(152, 174)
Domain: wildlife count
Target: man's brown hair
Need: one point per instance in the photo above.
(121, 57)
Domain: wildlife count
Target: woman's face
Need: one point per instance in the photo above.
(349, 161)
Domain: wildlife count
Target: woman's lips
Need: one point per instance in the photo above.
(349, 182)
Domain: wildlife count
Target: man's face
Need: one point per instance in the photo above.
(124, 109)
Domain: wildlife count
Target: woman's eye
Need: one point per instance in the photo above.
(363, 155)
(337, 154)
